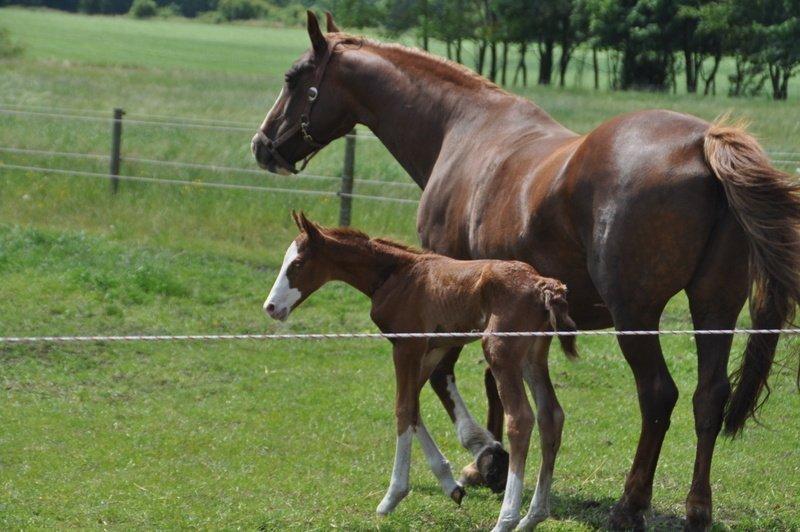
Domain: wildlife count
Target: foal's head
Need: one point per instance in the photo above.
(302, 272)
(311, 108)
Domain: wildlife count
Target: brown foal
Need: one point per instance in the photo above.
(415, 291)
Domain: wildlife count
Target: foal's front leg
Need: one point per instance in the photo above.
(407, 362)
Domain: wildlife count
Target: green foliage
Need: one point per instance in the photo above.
(8, 48)
(143, 9)
(241, 9)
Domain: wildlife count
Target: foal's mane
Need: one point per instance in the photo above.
(346, 234)
(420, 60)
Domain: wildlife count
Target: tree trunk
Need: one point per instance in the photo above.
(425, 24)
(545, 61)
(522, 68)
(563, 63)
(691, 70)
(458, 50)
(504, 64)
(711, 79)
(596, 67)
(480, 56)
(493, 60)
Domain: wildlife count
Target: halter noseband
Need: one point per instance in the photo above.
(272, 146)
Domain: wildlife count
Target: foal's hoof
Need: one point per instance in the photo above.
(698, 518)
(492, 463)
(458, 495)
(623, 518)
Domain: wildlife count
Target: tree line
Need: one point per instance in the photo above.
(641, 44)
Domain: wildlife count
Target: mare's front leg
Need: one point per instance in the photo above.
(505, 358)
(407, 363)
(491, 460)
(551, 424)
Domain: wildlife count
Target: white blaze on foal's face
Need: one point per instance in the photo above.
(282, 297)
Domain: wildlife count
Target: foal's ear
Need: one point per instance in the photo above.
(318, 41)
(332, 27)
(296, 219)
(309, 228)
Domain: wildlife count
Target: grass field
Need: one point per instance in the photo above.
(272, 435)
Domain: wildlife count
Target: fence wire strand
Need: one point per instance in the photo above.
(200, 166)
(378, 335)
(201, 184)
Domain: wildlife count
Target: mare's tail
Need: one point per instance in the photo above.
(766, 203)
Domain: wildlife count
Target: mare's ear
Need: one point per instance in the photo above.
(332, 27)
(318, 42)
(310, 228)
(296, 219)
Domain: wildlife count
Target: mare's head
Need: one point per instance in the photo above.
(303, 271)
(311, 108)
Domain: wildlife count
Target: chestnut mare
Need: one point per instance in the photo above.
(645, 205)
(413, 291)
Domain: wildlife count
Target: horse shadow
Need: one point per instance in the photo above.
(591, 512)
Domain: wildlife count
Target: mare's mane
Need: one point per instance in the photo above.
(420, 60)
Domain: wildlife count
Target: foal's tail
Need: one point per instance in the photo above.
(555, 302)
(766, 203)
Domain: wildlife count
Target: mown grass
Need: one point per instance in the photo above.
(271, 435)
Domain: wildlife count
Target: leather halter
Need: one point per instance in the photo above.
(272, 146)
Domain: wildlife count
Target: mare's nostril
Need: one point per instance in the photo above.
(270, 308)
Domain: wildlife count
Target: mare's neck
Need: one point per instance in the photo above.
(412, 100)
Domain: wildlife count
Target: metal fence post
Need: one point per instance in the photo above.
(345, 198)
(116, 146)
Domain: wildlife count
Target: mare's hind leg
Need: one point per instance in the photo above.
(551, 422)
(491, 464)
(716, 296)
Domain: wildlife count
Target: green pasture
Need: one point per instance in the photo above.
(258, 435)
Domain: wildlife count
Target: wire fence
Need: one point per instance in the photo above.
(201, 184)
(346, 195)
(467, 335)
(347, 179)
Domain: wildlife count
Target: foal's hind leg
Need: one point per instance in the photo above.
(715, 300)
(551, 423)
(505, 358)
(491, 465)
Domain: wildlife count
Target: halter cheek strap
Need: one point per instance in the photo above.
(272, 146)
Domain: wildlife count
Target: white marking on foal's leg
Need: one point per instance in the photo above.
(398, 487)
(472, 436)
(438, 463)
(540, 504)
(282, 296)
(509, 513)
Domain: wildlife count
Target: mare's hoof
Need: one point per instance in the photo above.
(623, 518)
(458, 495)
(698, 518)
(492, 464)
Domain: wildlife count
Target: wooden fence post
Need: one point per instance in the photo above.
(116, 146)
(345, 198)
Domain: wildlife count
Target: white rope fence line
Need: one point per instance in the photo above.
(374, 336)
(199, 166)
(202, 184)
